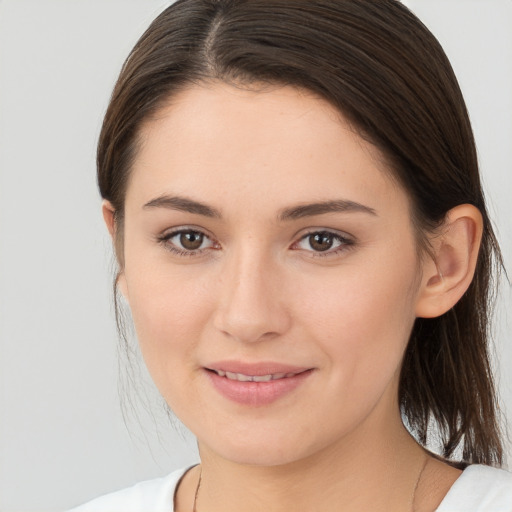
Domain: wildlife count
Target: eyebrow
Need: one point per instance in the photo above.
(184, 205)
(293, 213)
(336, 206)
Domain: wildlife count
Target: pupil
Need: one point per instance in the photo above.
(191, 240)
(321, 241)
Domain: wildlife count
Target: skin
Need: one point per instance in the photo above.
(257, 290)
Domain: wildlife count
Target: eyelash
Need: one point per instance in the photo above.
(165, 241)
(345, 243)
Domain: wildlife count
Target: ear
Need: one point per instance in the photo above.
(448, 274)
(109, 216)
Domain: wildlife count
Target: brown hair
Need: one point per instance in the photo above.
(388, 75)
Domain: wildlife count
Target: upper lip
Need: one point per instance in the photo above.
(256, 369)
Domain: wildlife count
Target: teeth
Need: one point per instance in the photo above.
(242, 378)
(253, 378)
(262, 378)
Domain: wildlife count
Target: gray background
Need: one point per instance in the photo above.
(62, 435)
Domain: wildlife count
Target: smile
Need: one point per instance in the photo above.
(256, 385)
(240, 377)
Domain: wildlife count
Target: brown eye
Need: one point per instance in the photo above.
(191, 240)
(186, 242)
(321, 241)
(324, 243)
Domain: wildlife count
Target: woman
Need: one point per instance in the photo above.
(293, 194)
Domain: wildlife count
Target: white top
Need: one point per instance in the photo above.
(478, 489)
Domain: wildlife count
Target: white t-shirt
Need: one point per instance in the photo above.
(478, 489)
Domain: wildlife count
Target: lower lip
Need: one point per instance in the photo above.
(256, 393)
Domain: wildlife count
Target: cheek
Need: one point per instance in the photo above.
(363, 319)
(168, 313)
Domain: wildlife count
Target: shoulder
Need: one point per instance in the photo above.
(480, 489)
(149, 496)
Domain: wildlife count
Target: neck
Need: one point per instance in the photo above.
(376, 468)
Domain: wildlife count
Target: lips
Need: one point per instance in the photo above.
(259, 369)
(255, 384)
(240, 377)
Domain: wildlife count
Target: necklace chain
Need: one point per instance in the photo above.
(194, 509)
(424, 465)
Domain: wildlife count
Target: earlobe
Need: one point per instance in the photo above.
(448, 274)
(109, 217)
(121, 285)
(110, 221)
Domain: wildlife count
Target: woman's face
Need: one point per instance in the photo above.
(272, 272)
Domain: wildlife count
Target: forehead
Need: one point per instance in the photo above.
(233, 146)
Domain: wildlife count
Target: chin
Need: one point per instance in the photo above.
(264, 449)
(259, 457)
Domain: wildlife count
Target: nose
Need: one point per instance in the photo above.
(251, 299)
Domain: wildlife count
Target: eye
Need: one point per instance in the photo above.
(186, 242)
(325, 242)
